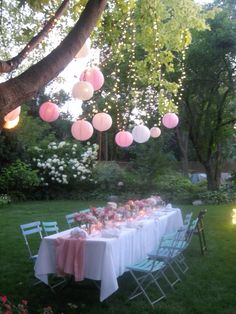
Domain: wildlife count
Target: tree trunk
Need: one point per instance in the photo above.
(16, 91)
(182, 138)
(213, 176)
(213, 170)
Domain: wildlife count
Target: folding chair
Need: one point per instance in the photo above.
(172, 246)
(200, 231)
(70, 218)
(30, 229)
(145, 274)
(187, 219)
(50, 227)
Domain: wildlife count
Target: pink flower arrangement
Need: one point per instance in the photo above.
(86, 218)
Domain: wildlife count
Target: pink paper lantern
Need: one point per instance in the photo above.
(49, 111)
(82, 90)
(155, 132)
(124, 139)
(102, 121)
(12, 115)
(170, 120)
(93, 76)
(141, 133)
(82, 130)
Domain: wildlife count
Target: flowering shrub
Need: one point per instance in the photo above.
(6, 307)
(65, 163)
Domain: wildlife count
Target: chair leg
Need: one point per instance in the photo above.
(140, 282)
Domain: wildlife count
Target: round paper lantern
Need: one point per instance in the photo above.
(49, 111)
(155, 132)
(141, 133)
(82, 130)
(85, 50)
(93, 76)
(82, 90)
(13, 114)
(102, 121)
(170, 120)
(124, 139)
(11, 124)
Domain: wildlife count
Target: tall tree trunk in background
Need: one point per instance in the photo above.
(183, 138)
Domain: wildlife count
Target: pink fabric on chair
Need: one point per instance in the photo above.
(70, 257)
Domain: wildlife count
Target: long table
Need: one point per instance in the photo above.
(107, 258)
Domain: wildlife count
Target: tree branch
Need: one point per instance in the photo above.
(10, 65)
(17, 90)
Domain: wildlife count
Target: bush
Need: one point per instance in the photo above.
(177, 188)
(109, 177)
(223, 196)
(18, 180)
(4, 199)
(65, 169)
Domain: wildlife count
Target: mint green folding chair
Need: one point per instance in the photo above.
(32, 233)
(50, 227)
(146, 274)
(70, 218)
(172, 247)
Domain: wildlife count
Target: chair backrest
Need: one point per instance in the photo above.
(187, 219)
(191, 230)
(86, 210)
(50, 227)
(28, 230)
(70, 218)
(173, 242)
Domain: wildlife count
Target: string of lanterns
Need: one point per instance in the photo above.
(91, 80)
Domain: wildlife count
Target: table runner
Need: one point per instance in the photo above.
(70, 254)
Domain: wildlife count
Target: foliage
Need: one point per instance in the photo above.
(177, 188)
(4, 199)
(18, 179)
(20, 23)
(150, 159)
(224, 195)
(209, 96)
(108, 175)
(15, 143)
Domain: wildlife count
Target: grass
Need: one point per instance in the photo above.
(208, 287)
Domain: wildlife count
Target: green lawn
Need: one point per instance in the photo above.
(208, 287)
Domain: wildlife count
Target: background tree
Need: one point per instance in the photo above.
(209, 97)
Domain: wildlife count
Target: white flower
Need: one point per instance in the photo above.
(61, 168)
(61, 144)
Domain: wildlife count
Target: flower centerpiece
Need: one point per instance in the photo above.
(86, 218)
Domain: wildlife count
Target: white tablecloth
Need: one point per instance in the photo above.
(106, 258)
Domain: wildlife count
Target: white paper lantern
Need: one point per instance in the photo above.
(155, 132)
(82, 90)
(141, 133)
(85, 50)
